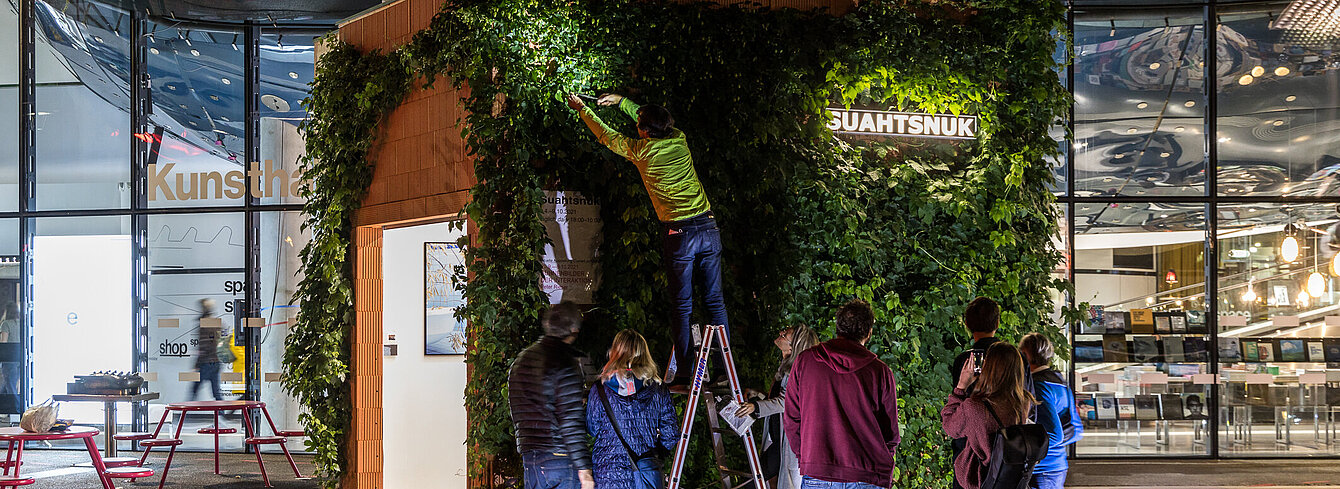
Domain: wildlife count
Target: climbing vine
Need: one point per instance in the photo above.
(808, 221)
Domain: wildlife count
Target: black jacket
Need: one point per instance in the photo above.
(548, 396)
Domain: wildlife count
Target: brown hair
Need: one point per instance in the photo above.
(855, 319)
(629, 352)
(982, 315)
(1037, 349)
(1001, 383)
(802, 338)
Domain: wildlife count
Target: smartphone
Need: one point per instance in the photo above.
(977, 356)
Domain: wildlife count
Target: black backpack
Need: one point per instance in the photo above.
(1015, 451)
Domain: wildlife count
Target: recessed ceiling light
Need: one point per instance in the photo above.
(171, 87)
(97, 38)
(293, 75)
(1164, 154)
(1277, 123)
(1258, 71)
(1142, 105)
(193, 123)
(1291, 98)
(1282, 71)
(1152, 179)
(1141, 192)
(195, 52)
(1155, 65)
(153, 50)
(183, 106)
(224, 118)
(1120, 156)
(1246, 80)
(214, 98)
(1189, 103)
(226, 81)
(1132, 130)
(1179, 129)
(1163, 215)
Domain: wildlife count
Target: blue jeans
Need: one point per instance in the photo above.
(807, 482)
(1050, 480)
(544, 470)
(209, 372)
(691, 256)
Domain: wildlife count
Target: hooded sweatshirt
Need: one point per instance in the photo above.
(841, 414)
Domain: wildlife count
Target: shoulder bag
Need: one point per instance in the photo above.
(646, 466)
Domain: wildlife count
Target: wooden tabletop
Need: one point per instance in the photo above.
(16, 433)
(105, 397)
(212, 405)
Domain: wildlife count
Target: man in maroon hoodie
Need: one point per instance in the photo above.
(842, 409)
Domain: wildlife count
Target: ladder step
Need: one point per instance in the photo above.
(735, 473)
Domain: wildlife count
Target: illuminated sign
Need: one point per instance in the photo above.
(881, 123)
(270, 182)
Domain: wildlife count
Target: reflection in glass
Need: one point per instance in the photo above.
(81, 299)
(1277, 107)
(82, 107)
(1277, 298)
(1139, 104)
(1140, 268)
(196, 272)
(286, 68)
(9, 106)
(197, 122)
(282, 239)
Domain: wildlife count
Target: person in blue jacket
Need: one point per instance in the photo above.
(640, 404)
(1055, 411)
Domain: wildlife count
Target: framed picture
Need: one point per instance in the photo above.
(443, 334)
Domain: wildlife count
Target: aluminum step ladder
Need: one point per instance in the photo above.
(728, 476)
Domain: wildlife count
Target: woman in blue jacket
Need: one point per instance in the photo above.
(1055, 411)
(641, 405)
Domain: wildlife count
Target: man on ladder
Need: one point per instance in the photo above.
(691, 244)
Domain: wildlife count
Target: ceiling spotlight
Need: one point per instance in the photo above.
(1132, 130)
(1179, 129)
(293, 75)
(1246, 80)
(1258, 71)
(153, 50)
(1163, 216)
(1155, 65)
(226, 81)
(1282, 71)
(1120, 156)
(214, 98)
(1316, 284)
(1165, 154)
(1189, 104)
(97, 38)
(1277, 123)
(195, 52)
(1291, 98)
(1142, 105)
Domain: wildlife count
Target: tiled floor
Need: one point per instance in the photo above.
(54, 469)
(1204, 474)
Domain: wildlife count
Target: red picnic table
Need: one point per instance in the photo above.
(14, 456)
(150, 440)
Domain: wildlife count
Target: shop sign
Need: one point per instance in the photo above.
(883, 123)
(569, 266)
(269, 182)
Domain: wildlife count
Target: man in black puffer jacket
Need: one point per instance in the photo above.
(548, 397)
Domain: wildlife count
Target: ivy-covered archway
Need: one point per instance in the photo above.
(808, 221)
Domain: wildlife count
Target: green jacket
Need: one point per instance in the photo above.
(664, 163)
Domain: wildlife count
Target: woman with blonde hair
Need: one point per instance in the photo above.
(778, 459)
(632, 418)
(999, 399)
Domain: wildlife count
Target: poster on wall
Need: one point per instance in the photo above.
(570, 265)
(443, 333)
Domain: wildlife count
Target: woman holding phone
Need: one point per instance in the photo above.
(998, 399)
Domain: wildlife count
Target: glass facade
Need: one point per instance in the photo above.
(148, 170)
(1204, 227)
